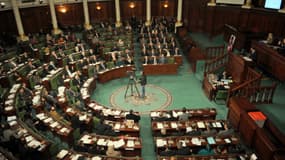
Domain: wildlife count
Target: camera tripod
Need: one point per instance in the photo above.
(133, 84)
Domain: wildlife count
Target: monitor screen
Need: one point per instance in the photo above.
(273, 4)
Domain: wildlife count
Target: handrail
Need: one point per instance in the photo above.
(213, 52)
(215, 64)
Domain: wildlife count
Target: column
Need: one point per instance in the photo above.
(212, 3)
(53, 18)
(86, 15)
(179, 14)
(22, 36)
(148, 13)
(118, 14)
(247, 4)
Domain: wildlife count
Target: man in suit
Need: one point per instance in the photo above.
(184, 116)
(132, 116)
(143, 82)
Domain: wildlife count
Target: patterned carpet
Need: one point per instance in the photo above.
(157, 98)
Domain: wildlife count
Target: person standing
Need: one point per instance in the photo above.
(143, 82)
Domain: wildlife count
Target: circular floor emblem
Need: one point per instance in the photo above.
(156, 98)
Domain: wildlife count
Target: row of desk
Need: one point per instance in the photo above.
(194, 114)
(185, 127)
(70, 155)
(28, 137)
(128, 146)
(266, 139)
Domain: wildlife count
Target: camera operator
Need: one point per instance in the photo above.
(143, 82)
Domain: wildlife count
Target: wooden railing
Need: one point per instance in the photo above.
(253, 91)
(213, 52)
(263, 94)
(215, 64)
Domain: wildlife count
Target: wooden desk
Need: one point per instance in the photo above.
(190, 141)
(70, 154)
(114, 73)
(270, 60)
(227, 156)
(238, 105)
(57, 126)
(196, 114)
(178, 59)
(120, 143)
(181, 126)
(122, 128)
(159, 69)
(108, 113)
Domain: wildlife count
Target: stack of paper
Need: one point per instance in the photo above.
(62, 154)
(159, 125)
(227, 140)
(54, 124)
(83, 117)
(75, 156)
(11, 118)
(160, 142)
(117, 126)
(101, 142)
(48, 120)
(173, 125)
(154, 114)
(218, 124)
(196, 141)
(130, 143)
(96, 158)
(201, 125)
(189, 129)
(119, 143)
(41, 116)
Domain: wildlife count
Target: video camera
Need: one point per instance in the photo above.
(131, 73)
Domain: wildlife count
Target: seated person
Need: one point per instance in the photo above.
(206, 151)
(226, 132)
(269, 38)
(132, 116)
(252, 54)
(168, 152)
(111, 152)
(281, 50)
(104, 129)
(120, 43)
(209, 132)
(192, 130)
(223, 75)
(184, 116)
(182, 149)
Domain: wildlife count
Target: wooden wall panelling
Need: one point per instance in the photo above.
(139, 11)
(170, 11)
(247, 128)
(263, 145)
(185, 13)
(8, 23)
(243, 18)
(106, 13)
(209, 20)
(197, 14)
(236, 67)
(73, 16)
(36, 18)
(222, 17)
